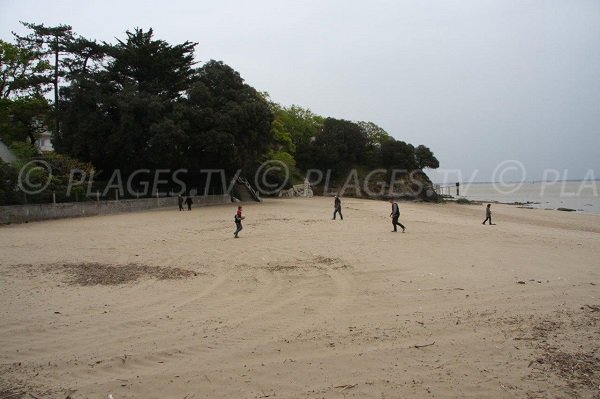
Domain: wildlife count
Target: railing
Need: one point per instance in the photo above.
(252, 191)
(446, 190)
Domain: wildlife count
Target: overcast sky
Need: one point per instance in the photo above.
(479, 82)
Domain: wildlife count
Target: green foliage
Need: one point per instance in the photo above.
(35, 175)
(65, 168)
(150, 109)
(301, 123)
(24, 78)
(343, 143)
(63, 54)
(376, 135)
(282, 137)
(23, 151)
(425, 158)
(8, 184)
(142, 103)
(47, 44)
(277, 178)
(150, 66)
(398, 155)
(22, 119)
(337, 146)
(22, 72)
(294, 128)
(227, 123)
(124, 117)
(46, 39)
(82, 56)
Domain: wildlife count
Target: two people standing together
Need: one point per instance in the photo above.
(188, 201)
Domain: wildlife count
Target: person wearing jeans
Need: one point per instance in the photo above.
(238, 222)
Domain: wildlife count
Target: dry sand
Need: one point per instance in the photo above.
(167, 304)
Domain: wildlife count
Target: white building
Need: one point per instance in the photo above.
(44, 142)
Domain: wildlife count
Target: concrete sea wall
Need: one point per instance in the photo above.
(35, 212)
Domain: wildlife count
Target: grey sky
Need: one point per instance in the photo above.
(477, 81)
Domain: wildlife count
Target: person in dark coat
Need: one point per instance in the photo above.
(238, 222)
(189, 202)
(395, 216)
(180, 202)
(337, 206)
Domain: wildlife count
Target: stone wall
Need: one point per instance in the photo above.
(34, 212)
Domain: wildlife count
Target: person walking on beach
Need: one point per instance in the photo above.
(189, 202)
(488, 214)
(337, 206)
(395, 215)
(238, 221)
(180, 202)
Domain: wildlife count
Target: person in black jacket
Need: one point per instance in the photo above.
(337, 206)
(395, 216)
(189, 202)
(238, 217)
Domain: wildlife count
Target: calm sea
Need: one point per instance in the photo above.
(583, 196)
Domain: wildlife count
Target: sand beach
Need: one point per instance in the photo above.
(167, 304)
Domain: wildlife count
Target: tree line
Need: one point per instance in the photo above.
(142, 103)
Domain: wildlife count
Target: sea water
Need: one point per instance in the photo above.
(583, 196)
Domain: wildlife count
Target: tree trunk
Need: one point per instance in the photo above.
(56, 108)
